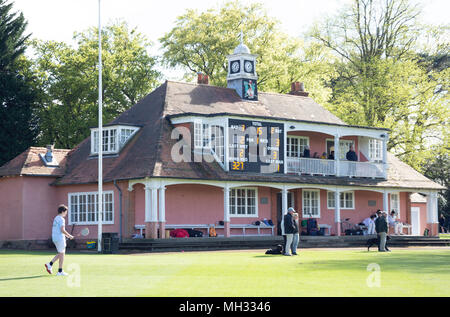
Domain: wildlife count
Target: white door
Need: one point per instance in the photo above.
(415, 221)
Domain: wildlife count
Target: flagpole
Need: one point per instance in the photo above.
(100, 134)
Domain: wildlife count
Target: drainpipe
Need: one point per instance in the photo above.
(120, 210)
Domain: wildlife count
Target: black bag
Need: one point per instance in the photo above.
(194, 233)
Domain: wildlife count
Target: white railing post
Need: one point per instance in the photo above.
(336, 155)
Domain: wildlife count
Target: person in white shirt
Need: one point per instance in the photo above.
(59, 235)
(398, 226)
(369, 222)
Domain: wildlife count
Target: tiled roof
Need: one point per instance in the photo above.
(29, 163)
(185, 98)
(148, 152)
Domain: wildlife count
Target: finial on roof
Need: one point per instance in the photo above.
(241, 48)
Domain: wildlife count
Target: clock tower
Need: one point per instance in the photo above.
(241, 72)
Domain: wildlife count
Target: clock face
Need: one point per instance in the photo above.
(235, 67)
(248, 66)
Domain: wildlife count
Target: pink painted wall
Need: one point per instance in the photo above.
(11, 215)
(139, 204)
(39, 207)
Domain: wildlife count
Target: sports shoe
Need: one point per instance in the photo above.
(48, 267)
(62, 273)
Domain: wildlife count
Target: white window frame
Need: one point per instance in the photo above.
(375, 150)
(246, 215)
(300, 147)
(330, 197)
(90, 207)
(307, 215)
(395, 203)
(123, 139)
(118, 142)
(198, 134)
(218, 143)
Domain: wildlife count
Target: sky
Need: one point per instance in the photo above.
(59, 19)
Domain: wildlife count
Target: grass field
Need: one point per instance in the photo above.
(314, 272)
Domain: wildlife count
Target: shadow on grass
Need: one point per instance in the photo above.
(21, 278)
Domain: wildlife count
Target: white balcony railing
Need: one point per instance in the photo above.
(327, 167)
(361, 169)
(310, 166)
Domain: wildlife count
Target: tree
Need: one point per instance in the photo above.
(17, 99)
(68, 81)
(200, 42)
(381, 80)
(438, 169)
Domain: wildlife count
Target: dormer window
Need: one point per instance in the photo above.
(114, 138)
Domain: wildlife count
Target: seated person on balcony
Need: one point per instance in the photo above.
(316, 155)
(331, 156)
(324, 155)
(351, 154)
(398, 226)
(369, 222)
(306, 152)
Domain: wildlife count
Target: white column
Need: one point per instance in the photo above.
(336, 155)
(162, 204)
(154, 208)
(148, 205)
(337, 211)
(162, 211)
(432, 208)
(226, 210)
(284, 201)
(386, 201)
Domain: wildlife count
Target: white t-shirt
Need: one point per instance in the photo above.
(58, 222)
(391, 219)
(368, 221)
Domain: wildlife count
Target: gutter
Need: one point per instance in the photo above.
(120, 210)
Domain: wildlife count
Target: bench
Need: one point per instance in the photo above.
(207, 226)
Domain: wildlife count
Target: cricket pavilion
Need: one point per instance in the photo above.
(196, 156)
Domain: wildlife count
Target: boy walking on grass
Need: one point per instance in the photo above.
(59, 235)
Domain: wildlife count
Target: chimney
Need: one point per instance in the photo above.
(202, 79)
(49, 154)
(298, 89)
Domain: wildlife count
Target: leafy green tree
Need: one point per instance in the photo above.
(438, 169)
(200, 42)
(382, 81)
(18, 125)
(68, 81)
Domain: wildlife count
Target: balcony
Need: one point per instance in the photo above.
(310, 166)
(314, 166)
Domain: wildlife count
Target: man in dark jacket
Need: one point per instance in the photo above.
(290, 228)
(381, 227)
(351, 154)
